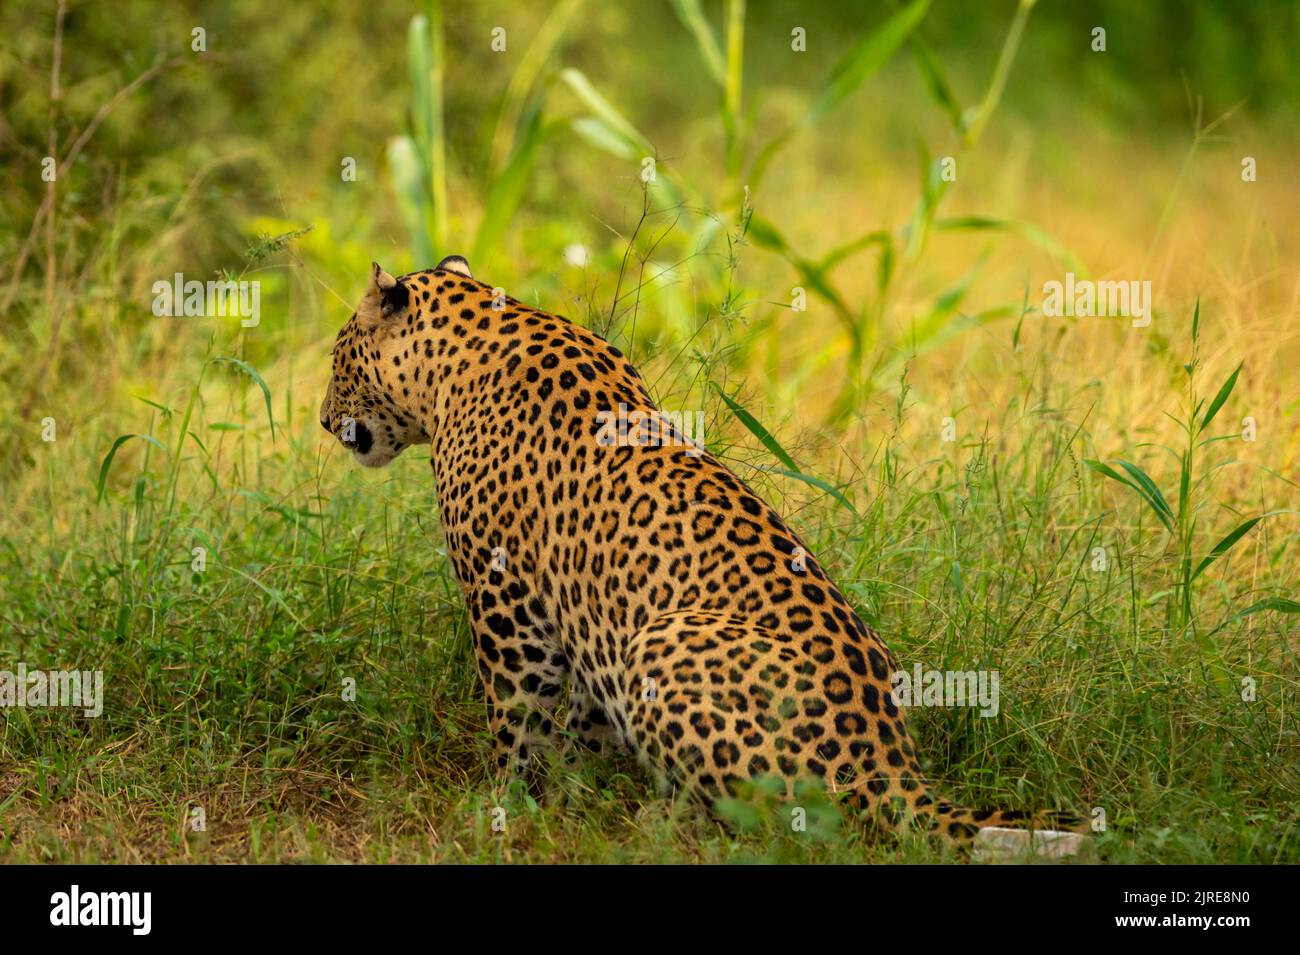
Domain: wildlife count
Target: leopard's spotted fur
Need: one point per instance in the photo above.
(686, 618)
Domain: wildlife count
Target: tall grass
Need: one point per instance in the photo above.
(1194, 482)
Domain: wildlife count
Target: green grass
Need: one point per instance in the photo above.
(225, 688)
(1121, 687)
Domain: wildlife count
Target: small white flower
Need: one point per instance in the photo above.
(577, 255)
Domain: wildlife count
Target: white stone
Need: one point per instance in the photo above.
(1002, 845)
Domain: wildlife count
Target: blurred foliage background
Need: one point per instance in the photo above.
(212, 149)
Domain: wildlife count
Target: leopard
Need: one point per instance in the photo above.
(627, 594)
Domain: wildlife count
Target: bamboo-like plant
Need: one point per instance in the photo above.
(418, 165)
(418, 159)
(1193, 480)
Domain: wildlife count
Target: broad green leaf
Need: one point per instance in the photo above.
(413, 203)
(1276, 604)
(108, 462)
(420, 75)
(743, 815)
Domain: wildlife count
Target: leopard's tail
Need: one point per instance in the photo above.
(959, 826)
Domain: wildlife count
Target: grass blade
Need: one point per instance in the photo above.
(692, 17)
(610, 118)
(1025, 230)
(107, 463)
(600, 135)
(851, 71)
(424, 64)
(437, 146)
(1223, 546)
(512, 118)
(1154, 496)
(813, 276)
(112, 453)
(1280, 604)
(757, 429)
(420, 69)
(868, 57)
(791, 470)
(248, 369)
(817, 483)
(935, 81)
(609, 130)
(1221, 397)
(1164, 516)
(508, 187)
(735, 81)
(981, 115)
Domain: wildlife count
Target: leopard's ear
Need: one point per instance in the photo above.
(386, 299)
(380, 280)
(454, 263)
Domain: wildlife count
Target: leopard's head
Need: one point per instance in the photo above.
(368, 404)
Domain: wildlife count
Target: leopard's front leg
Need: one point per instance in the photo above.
(522, 677)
